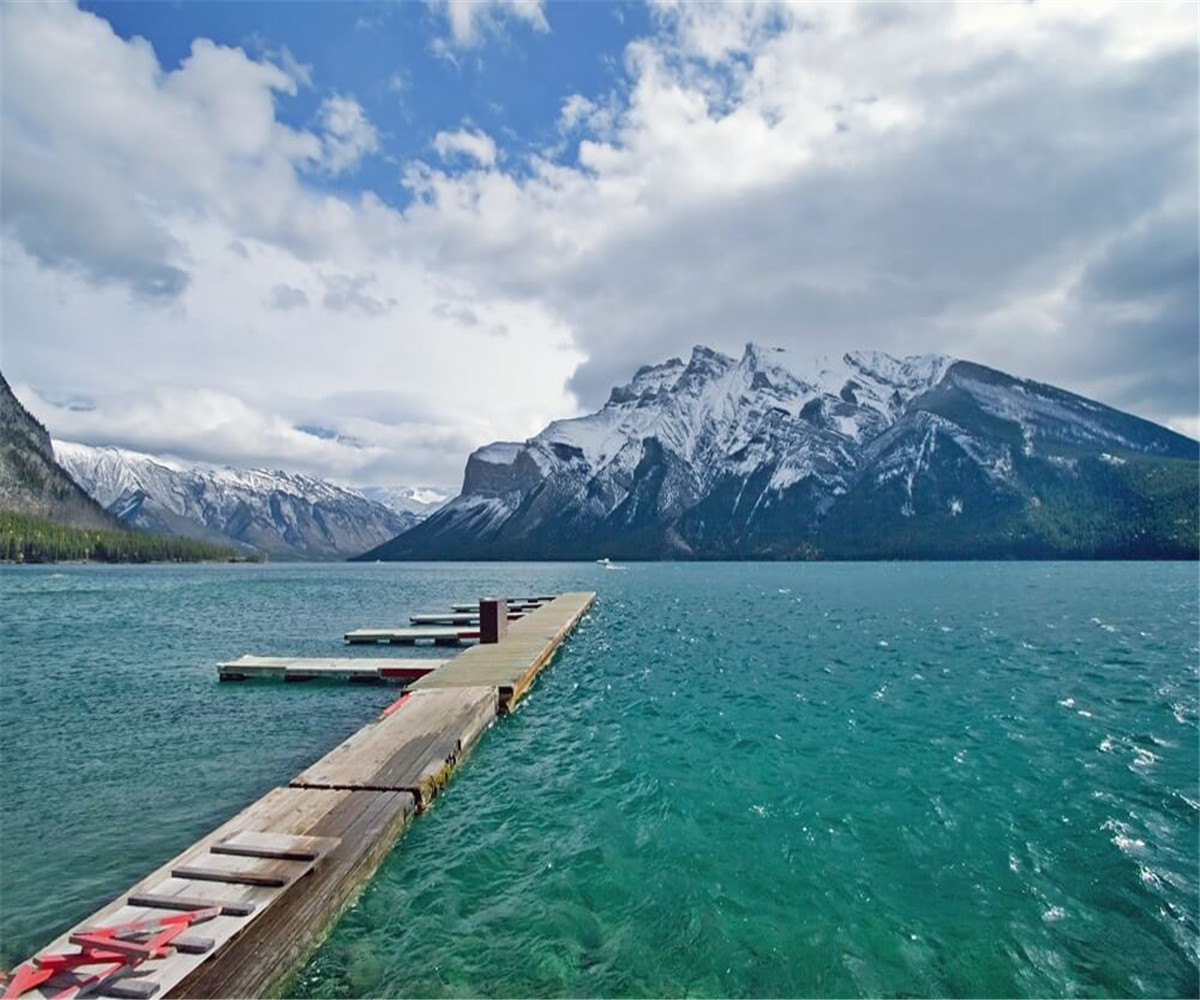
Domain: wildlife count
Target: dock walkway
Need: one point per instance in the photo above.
(310, 668)
(439, 636)
(284, 869)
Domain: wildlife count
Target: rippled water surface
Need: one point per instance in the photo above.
(735, 780)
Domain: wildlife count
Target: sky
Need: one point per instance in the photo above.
(362, 239)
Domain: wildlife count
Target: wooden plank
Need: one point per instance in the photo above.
(512, 664)
(354, 668)
(456, 618)
(162, 901)
(130, 988)
(253, 964)
(440, 636)
(512, 606)
(527, 602)
(265, 931)
(281, 846)
(284, 809)
(410, 749)
(234, 876)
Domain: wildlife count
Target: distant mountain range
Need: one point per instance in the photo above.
(418, 500)
(862, 456)
(279, 514)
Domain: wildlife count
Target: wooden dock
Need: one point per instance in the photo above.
(283, 870)
(440, 636)
(456, 617)
(373, 671)
(511, 664)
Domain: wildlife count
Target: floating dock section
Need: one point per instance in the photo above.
(374, 671)
(447, 636)
(265, 887)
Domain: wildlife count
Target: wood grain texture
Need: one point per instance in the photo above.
(274, 946)
(412, 749)
(247, 903)
(511, 665)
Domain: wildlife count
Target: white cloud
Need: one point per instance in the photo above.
(1014, 184)
(470, 22)
(477, 145)
(184, 189)
(347, 136)
(911, 178)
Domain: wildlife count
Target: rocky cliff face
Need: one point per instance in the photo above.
(280, 514)
(862, 456)
(31, 481)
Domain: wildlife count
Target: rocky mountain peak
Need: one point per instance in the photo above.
(771, 455)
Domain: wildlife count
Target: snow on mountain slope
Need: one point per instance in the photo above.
(420, 501)
(764, 454)
(285, 515)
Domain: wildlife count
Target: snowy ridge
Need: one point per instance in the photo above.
(721, 415)
(419, 501)
(283, 514)
(772, 454)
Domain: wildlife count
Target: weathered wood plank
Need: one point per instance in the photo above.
(297, 668)
(281, 846)
(456, 618)
(161, 901)
(275, 807)
(272, 947)
(512, 664)
(411, 749)
(232, 876)
(439, 636)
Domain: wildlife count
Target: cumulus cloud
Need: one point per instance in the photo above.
(910, 178)
(1013, 184)
(471, 22)
(473, 144)
(347, 136)
(196, 425)
(104, 150)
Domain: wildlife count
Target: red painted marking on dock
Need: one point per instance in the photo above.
(395, 705)
(406, 673)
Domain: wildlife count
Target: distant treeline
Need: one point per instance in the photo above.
(26, 539)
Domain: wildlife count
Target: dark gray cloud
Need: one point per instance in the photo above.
(910, 248)
(1140, 305)
(286, 297)
(348, 293)
(62, 225)
(463, 315)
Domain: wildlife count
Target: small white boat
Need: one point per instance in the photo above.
(604, 562)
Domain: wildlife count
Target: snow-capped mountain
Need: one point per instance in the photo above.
(865, 455)
(285, 515)
(418, 500)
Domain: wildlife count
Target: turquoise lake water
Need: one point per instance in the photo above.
(735, 780)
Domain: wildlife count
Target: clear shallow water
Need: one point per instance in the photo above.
(896, 779)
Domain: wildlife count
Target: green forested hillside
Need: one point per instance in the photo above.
(28, 539)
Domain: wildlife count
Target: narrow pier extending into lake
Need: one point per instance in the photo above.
(263, 889)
